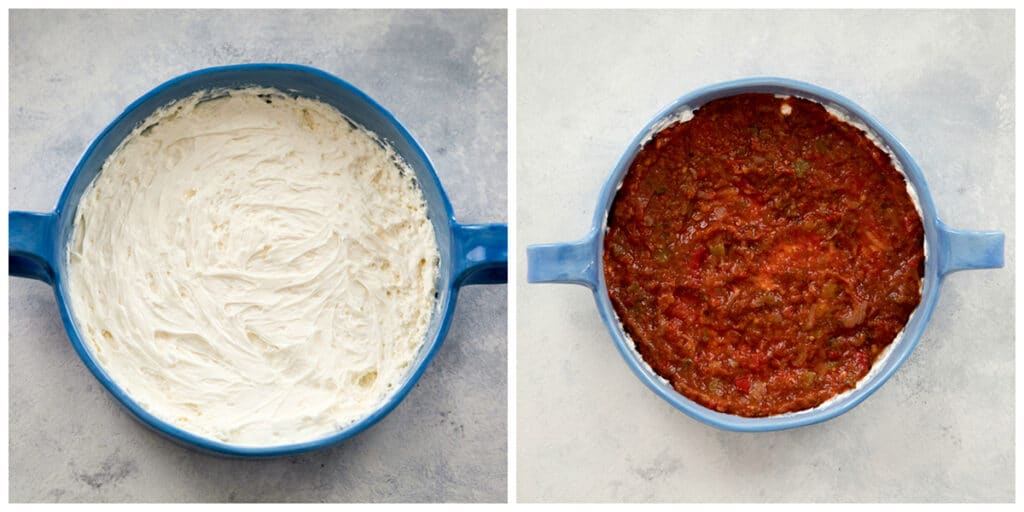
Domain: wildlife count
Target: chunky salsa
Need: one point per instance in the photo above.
(762, 254)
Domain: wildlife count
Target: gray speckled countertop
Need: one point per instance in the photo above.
(942, 429)
(442, 73)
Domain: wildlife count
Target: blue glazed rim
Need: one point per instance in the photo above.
(471, 253)
(947, 250)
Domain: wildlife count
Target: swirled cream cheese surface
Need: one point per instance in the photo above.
(253, 268)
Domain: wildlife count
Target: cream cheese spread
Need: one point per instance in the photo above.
(253, 268)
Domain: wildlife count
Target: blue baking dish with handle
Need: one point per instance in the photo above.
(947, 250)
(470, 253)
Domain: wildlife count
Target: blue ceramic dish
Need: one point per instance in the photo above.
(470, 253)
(947, 250)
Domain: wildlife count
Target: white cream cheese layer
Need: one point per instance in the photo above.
(253, 268)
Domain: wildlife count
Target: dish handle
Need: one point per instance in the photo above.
(31, 245)
(481, 252)
(966, 250)
(570, 262)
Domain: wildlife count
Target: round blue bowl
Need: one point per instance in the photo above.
(470, 253)
(947, 250)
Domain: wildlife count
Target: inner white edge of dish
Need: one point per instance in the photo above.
(685, 113)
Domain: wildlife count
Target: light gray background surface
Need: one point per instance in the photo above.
(941, 429)
(443, 74)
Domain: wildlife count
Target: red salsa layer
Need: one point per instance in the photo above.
(763, 254)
